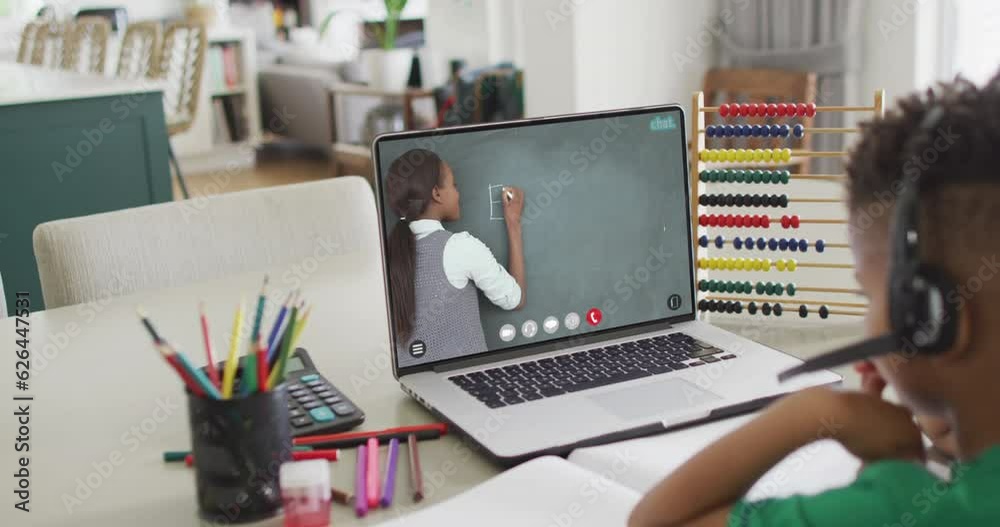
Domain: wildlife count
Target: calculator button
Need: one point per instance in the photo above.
(325, 393)
(312, 404)
(321, 387)
(297, 393)
(291, 405)
(322, 414)
(343, 409)
(332, 400)
(294, 386)
(299, 422)
(307, 378)
(313, 383)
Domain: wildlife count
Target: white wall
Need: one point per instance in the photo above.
(454, 29)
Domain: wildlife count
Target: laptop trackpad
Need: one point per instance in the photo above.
(661, 399)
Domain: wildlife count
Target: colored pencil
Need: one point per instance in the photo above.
(259, 314)
(261, 364)
(300, 324)
(177, 456)
(229, 372)
(360, 503)
(213, 372)
(342, 497)
(176, 365)
(144, 317)
(416, 478)
(372, 470)
(297, 455)
(389, 485)
(278, 373)
(248, 381)
(196, 374)
(353, 439)
(272, 340)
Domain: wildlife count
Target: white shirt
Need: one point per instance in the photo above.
(466, 258)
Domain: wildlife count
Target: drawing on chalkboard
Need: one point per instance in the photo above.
(496, 202)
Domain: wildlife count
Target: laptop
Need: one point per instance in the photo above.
(601, 342)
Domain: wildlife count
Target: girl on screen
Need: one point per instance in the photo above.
(434, 274)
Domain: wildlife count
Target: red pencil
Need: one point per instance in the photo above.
(213, 372)
(262, 372)
(298, 455)
(175, 363)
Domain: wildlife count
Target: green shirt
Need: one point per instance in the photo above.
(890, 494)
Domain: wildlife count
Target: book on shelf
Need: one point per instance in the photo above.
(223, 68)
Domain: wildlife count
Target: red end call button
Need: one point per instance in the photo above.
(594, 316)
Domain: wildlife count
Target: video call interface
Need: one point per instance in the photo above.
(605, 232)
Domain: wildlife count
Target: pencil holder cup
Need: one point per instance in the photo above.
(239, 445)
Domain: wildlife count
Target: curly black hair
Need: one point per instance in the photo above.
(951, 162)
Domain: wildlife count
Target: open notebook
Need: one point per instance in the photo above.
(598, 486)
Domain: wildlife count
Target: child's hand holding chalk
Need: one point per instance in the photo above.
(513, 204)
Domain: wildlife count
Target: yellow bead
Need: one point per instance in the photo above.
(741, 263)
(768, 154)
(713, 155)
(713, 263)
(758, 155)
(703, 155)
(731, 264)
(741, 155)
(767, 264)
(780, 264)
(786, 154)
(701, 263)
(756, 264)
(731, 155)
(792, 264)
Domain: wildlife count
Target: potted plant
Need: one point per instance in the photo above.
(388, 67)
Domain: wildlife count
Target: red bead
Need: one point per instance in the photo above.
(800, 109)
(752, 110)
(747, 220)
(795, 222)
(810, 109)
(785, 222)
(765, 221)
(724, 110)
(703, 220)
(782, 109)
(739, 221)
(755, 221)
(730, 220)
(772, 110)
(744, 110)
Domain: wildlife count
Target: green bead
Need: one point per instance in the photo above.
(703, 176)
(779, 289)
(769, 288)
(742, 175)
(760, 288)
(716, 175)
(713, 286)
(791, 289)
(758, 176)
(730, 287)
(703, 285)
(747, 287)
(730, 176)
(786, 176)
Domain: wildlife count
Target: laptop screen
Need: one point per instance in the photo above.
(520, 233)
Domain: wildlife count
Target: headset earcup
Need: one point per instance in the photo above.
(922, 311)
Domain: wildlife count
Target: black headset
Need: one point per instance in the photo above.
(922, 319)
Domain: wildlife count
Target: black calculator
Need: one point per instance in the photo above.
(315, 405)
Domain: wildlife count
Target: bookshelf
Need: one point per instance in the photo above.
(226, 129)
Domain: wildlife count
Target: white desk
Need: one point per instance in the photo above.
(24, 83)
(97, 397)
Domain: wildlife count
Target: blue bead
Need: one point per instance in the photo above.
(783, 244)
(775, 130)
(703, 241)
(772, 244)
(747, 130)
(728, 130)
(748, 242)
(798, 130)
(803, 245)
(761, 243)
(719, 241)
(737, 242)
(793, 245)
(710, 131)
(784, 130)
(756, 130)
(820, 246)
(737, 130)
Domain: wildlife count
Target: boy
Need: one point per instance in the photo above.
(957, 390)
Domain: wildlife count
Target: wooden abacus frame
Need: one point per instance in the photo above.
(697, 145)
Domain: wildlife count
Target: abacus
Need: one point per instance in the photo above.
(762, 250)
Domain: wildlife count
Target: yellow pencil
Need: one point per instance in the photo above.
(229, 373)
(300, 325)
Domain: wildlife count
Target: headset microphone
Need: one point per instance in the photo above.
(853, 353)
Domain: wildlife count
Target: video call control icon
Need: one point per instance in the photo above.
(529, 328)
(418, 348)
(594, 316)
(550, 325)
(507, 332)
(674, 302)
(571, 321)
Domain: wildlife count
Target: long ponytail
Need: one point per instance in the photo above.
(411, 181)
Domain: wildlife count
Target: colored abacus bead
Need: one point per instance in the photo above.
(793, 245)
(811, 109)
(748, 241)
(739, 307)
(752, 308)
(820, 246)
(785, 223)
(782, 109)
(775, 130)
(747, 130)
(778, 310)
(800, 109)
(765, 309)
(794, 221)
(724, 110)
(744, 110)
(772, 244)
(782, 243)
(803, 311)
(780, 265)
(786, 154)
(703, 240)
(803, 245)
(703, 305)
(798, 130)
(784, 130)
(824, 312)
(719, 241)
(761, 243)
(772, 110)
(791, 289)
(737, 243)
(760, 288)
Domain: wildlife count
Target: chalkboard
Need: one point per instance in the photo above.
(605, 223)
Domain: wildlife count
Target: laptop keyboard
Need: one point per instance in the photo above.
(583, 370)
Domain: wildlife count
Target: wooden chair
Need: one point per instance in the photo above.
(29, 40)
(760, 86)
(140, 51)
(85, 48)
(180, 64)
(49, 41)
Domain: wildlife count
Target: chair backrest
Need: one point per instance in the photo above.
(49, 41)
(172, 244)
(140, 50)
(181, 62)
(758, 86)
(85, 49)
(29, 39)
